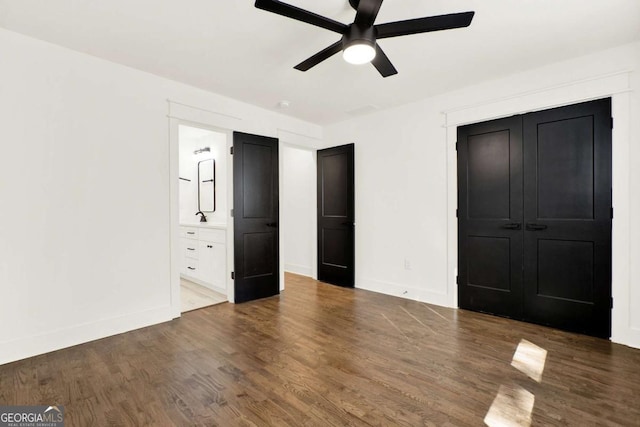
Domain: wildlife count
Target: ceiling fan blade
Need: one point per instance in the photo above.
(382, 63)
(424, 25)
(367, 12)
(298, 14)
(320, 56)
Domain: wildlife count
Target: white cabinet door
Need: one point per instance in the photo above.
(219, 265)
(212, 264)
(206, 264)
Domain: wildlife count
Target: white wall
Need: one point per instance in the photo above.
(406, 189)
(298, 206)
(188, 168)
(86, 218)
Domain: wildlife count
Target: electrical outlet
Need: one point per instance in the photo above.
(407, 264)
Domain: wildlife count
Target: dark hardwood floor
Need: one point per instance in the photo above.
(329, 356)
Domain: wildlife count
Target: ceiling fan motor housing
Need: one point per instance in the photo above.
(359, 35)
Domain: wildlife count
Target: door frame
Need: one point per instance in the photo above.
(615, 86)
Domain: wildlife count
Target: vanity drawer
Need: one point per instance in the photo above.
(191, 248)
(214, 235)
(191, 267)
(189, 232)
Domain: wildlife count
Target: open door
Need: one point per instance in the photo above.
(255, 219)
(336, 239)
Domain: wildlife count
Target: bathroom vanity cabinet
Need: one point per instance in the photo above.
(203, 254)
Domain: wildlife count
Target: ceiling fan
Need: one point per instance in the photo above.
(358, 41)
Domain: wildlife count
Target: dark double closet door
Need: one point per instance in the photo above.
(534, 220)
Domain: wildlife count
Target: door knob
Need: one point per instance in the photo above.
(536, 227)
(272, 224)
(512, 226)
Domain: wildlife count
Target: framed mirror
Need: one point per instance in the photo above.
(207, 185)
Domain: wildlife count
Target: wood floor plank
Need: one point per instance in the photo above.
(319, 355)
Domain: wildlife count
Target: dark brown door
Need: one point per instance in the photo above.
(490, 217)
(535, 217)
(567, 217)
(255, 219)
(336, 245)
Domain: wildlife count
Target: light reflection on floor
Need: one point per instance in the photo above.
(513, 404)
(511, 407)
(530, 359)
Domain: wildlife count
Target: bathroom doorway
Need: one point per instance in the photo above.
(203, 216)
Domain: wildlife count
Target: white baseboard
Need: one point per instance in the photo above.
(403, 291)
(298, 269)
(34, 345)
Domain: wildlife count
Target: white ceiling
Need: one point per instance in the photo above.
(231, 48)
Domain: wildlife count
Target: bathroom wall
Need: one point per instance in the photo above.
(192, 139)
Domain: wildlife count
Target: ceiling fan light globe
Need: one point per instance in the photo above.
(359, 53)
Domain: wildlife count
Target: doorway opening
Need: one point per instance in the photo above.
(298, 209)
(318, 213)
(202, 199)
